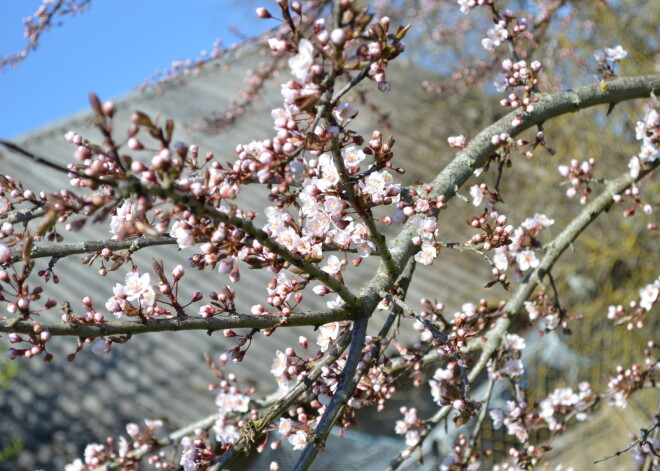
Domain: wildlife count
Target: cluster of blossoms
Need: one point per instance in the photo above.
(632, 197)
(629, 380)
(496, 230)
(647, 131)
(634, 315)
(578, 175)
(432, 313)
(563, 403)
(287, 365)
(411, 426)
(427, 228)
(448, 388)
(513, 418)
(446, 337)
(91, 161)
(608, 58)
(126, 452)
(503, 20)
(296, 436)
(136, 288)
(196, 454)
(457, 142)
(280, 290)
(525, 77)
(230, 403)
(464, 456)
(519, 253)
(555, 410)
(518, 74)
(545, 314)
(495, 36)
(509, 363)
(324, 211)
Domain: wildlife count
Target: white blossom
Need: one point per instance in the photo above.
(615, 53)
(301, 62)
(298, 440)
(427, 254)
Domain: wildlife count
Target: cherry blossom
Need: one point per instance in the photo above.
(302, 62)
(327, 334)
(136, 287)
(121, 222)
(298, 440)
(332, 198)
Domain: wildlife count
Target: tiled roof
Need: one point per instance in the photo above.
(56, 408)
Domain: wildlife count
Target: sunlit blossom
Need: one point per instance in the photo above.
(301, 62)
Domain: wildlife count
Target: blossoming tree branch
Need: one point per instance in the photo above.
(332, 193)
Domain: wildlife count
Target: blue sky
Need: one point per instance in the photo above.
(109, 50)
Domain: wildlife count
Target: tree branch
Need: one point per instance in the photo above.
(345, 389)
(494, 337)
(65, 250)
(212, 324)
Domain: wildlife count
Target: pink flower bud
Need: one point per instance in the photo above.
(135, 144)
(263, 13)
(108, 108)
(338, 36)
(5, 257)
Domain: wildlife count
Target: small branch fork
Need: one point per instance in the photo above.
(644, 440)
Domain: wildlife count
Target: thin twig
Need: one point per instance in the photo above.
(642, 440)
